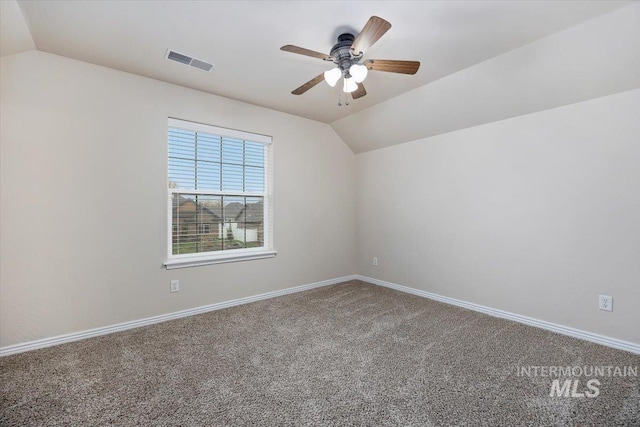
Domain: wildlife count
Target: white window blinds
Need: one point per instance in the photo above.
(219, 190)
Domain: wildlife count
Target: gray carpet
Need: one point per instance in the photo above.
(348, 354)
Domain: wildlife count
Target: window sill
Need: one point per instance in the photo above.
(196, 261)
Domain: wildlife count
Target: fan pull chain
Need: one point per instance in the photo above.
(346, 99)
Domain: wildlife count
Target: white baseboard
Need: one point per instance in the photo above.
(76, 336)
(564, 330)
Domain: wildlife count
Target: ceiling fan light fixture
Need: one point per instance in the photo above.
(332, 76)
(347, 55)
(358, 72)
(349, 85)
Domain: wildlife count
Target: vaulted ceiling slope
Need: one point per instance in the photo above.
(243, 39)
(597, 58)
(14, 34)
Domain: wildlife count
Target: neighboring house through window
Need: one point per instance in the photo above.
(204, 228)
(219, 187)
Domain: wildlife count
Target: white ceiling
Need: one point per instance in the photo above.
(14, 34)
(594, 59)
(243, 39)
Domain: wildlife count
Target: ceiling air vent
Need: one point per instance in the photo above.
(187, 60)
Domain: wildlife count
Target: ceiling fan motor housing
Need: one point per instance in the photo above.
(342, 55)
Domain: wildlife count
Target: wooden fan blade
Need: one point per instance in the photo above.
(371, 33)
(302, 51)
(360, 92)
(308, 85)
(392, 66)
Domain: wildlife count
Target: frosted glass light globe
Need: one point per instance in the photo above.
(349, 85)
(358, 72)
(332, 76)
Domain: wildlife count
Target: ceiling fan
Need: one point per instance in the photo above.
(347, 55)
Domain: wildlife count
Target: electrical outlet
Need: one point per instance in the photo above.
(605, 303)
(375, 260)
(175, 285)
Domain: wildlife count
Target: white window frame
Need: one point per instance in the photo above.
(230, 255)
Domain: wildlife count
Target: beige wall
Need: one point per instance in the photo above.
(536, 215)
(83, 199)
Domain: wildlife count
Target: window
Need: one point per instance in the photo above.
(219, 188)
